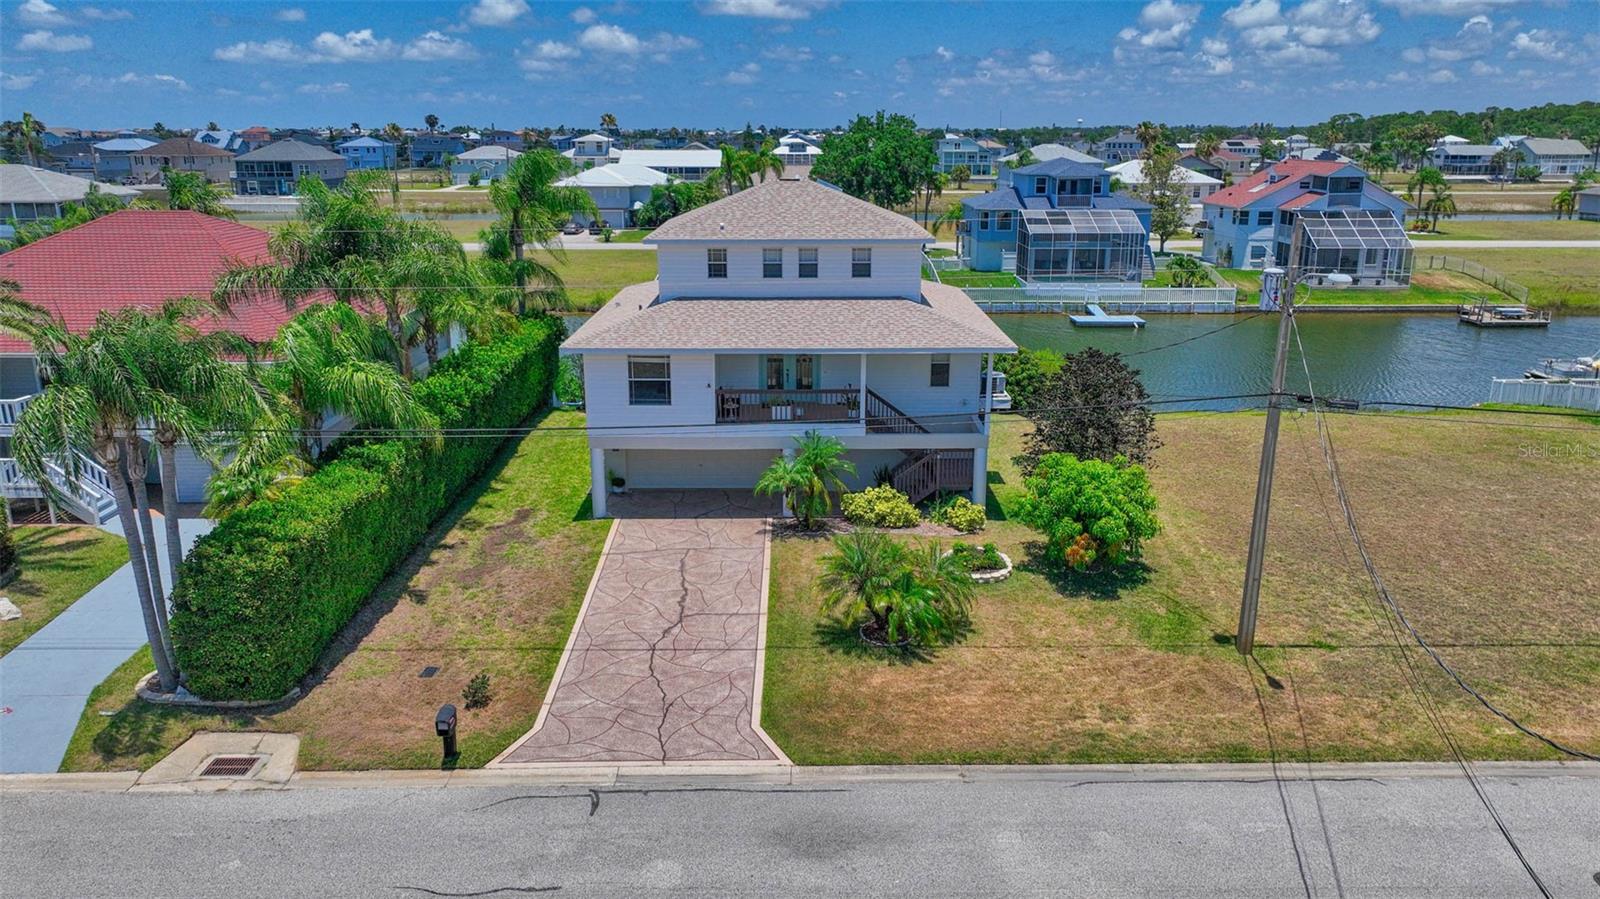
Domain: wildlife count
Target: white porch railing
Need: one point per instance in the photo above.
(1582, 393)
(1112, 297)
(89, 497)
(11, 410)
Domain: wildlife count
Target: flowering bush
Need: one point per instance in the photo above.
(882, 507)
(1090, 510)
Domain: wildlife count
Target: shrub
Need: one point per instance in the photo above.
(883, 507)
(1109, 503)
(960, 513)
(477, 694)
(976, 558)
(917, 596)
(474, 179)
(569, 380)
(804, 481)
(263, 594)
(8, 550)
(1094, 407)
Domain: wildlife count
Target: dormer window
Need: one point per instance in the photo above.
(717, 262)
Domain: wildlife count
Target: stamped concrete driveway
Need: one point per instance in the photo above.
(664, 662)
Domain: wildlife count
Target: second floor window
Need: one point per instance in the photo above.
(772, 262)
(649, 381)
(717, 262)
(1004, 222)
(861, 262)
(1264, 217)
(983, 220)
(808, 262)
(939, 370)
(1040, 184)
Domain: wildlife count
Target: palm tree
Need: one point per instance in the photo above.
(933, 185)
(1186, 271)
(608, 122)
(1207, 145)
(432, 121)
(908, 596)
(1564, 202)
(961, 174)
(26, 136)
(1425, 178)
(532, 210)
(1440, 204)
(765, 159)
(859, 576)
(734, 171)
(805, 481)
(468, 294)
(191, 191)
(95, 395)
(1505, 159)
(1149, 134)
(394, 135)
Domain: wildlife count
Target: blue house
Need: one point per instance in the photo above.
(428, 151)
(367, 153)
(1351, 226)
(1093, 234)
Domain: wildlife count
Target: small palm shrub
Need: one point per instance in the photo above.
(879, 507)
(806, 480)
(1089, 510)
(894, 593)
(960, 513)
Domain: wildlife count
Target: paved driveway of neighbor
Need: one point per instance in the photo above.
(663, 664)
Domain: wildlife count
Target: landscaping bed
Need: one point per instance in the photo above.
(494, 588)
(59, 564)
(1472, 535)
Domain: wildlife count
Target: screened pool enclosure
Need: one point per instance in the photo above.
(1369, 245)
(1081, 245)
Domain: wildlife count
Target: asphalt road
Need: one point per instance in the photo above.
(1352, 835)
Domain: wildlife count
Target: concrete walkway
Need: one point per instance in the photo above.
(664, 661)
(45, 681)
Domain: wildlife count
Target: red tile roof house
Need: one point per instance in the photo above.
(1352, 226)
(132, 258)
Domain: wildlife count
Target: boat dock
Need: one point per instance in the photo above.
(1099, 318)
(1484, 315)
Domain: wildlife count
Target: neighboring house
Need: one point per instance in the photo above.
(489, 163)
(222, 139)
(1294, 143)
(28, 193)
(1195, 185)
(304, 135)
(1047, 152)
(181, 154)
(253, 138)
(368, 153)
(113, 159)
(786, 308)
(1465, 160)
(1557, 158)
(1588, 208)
(797, 149)
(618, 191)
(1233, 163)
(592, 150)
(561, 142)
(1121, 147)
(501, 138)
(428, 151)
(684, 165)
(1508, 140)
(1243, 145)
(1097, 235)
(1353, 226)
(958, 149)
(1207, 167)
(72, 158)
(273, 170)
(1318, 154)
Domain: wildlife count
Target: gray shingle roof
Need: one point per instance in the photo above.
(1555, 146)
(790, 210)
(1061, 167)
(944, 319)
(27, 184)
(290, 150)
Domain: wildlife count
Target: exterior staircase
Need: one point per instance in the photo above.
(88, 497)
(924, 473)
(1147, 267)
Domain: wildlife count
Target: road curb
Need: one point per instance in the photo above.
(663, 776)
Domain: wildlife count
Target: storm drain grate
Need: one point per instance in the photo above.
(231, 766)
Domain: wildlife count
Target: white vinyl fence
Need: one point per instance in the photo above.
(1574, 394)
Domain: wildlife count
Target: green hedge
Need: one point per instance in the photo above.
(263, 594)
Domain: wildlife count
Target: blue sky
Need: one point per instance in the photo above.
(784, 62)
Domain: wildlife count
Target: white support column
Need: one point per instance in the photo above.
(788, 456)
(980, 475)
(600, 484)
(988, 389)
(862, 405)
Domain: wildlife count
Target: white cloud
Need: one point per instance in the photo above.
(943, 53)
(275, 50)
(1483, 70)
(1473, 39)
(556, 50)
(1163, 25)
(39, 12)
(11, 82)
(745, 74)
(1042, 58)
(292, 14)
(1442, 76)
(1298, 55)
(1450, 8)
(494, 13)
(609, 39)
(332, 87)
(436, 45)
(352, 46)
(1300, 34)
(763, 9)
(583, 15)
(104, 14)
(1253, 14)
(1214, 47)
(1537, 43)
(786, 53)
(1333, 23)
(131, 79)
(54, 43)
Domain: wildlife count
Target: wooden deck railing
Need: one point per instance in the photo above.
(812, 406)
(884, 418)
(922, 475)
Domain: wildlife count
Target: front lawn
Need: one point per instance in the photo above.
(1472, 527)
(59, 565)
(495, 588)
(631, 235)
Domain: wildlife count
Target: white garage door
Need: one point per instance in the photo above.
(696, 468)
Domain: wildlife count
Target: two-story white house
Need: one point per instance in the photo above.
(786, 308)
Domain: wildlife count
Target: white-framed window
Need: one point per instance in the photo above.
(772, 262)
(1004, 223)
(861, 262)
(808, 262)
(939, 370)
(649, 381)
(1264, 217)
(1040, 184)
(717, 262)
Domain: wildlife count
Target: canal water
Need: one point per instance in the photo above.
(1424, 358)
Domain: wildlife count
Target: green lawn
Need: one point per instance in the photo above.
(1512, 229)
(1431, 287)
(593, 277)
(494, 588)
(966, 277)
(1139, 667)
(631, 235)
(59, 565)
(1560, 278)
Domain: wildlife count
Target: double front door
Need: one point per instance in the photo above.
(790, 372)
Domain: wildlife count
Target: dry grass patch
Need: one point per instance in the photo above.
(1471, 523)
(494, 589)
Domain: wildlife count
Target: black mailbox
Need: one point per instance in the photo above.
(444, 724)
